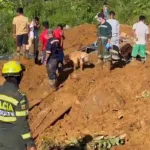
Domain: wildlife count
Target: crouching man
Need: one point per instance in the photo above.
(53, 51)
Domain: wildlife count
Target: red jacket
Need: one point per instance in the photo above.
(43, 39)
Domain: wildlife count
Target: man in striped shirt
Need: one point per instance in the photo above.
(104, 37)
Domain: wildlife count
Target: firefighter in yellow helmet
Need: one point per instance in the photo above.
(14, 128)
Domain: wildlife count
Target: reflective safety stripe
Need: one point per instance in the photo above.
(26, 136)
(21, 93)
(22, 101)
(22, 113)
(103, 37)
(8, 119)
(8, 99)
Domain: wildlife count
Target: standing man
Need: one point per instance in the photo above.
(20, 32)
(105, 11)
(36, 37)
(104, 37)
(14, 128)
(115, 29)
(44, 40)
(53, 51)
(59, 35)
(141, 34)
(30, 36)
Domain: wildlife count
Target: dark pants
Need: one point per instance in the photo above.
(36, 47)
(11, 140)
(52, 68)
(102, 52)
(22, 40)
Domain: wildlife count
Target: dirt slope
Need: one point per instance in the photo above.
(100, 101)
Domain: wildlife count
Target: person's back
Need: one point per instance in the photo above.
(57, 33)
(21, 23)
(115, 29)
(20, 33)
(141, 30)
(114, 24)
(43, 39)
(141, 34)
(14, 128)
(56, 50)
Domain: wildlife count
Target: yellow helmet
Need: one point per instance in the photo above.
(12, 68)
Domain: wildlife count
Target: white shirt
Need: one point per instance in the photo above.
(141, 30)
(31, 33)
(115, 27)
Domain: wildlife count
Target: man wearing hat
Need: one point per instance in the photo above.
(14, 127)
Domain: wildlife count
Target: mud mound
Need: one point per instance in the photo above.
(108, 105)
(91, 102)
(126, 29)
(79, 36)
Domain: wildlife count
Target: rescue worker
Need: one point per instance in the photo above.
(14, 128)
(104, 37)
(53, 52)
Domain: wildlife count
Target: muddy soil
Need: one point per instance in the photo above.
(100, 102)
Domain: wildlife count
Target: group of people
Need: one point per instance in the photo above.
(109, 36)
(51, 42)
(14, 128)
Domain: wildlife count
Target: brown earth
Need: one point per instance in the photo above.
(95, 101)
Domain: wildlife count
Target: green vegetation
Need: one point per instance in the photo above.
(71, 12)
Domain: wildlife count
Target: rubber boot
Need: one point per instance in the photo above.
(53, 84)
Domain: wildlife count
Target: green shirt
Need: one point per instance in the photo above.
(105, 31)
